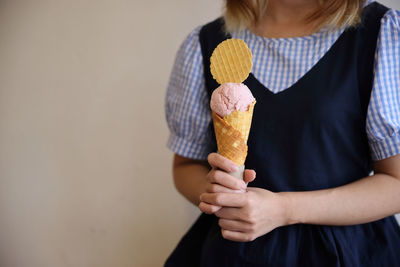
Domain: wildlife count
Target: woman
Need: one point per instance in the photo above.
(326, 77)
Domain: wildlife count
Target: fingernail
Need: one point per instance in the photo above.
(234, 168)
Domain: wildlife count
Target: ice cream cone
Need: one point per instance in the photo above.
(232, 132)
(232, 103)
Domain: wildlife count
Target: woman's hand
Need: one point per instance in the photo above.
(219, 181)
(244, 217)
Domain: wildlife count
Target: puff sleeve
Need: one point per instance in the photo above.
(187, 108)
(383, 117)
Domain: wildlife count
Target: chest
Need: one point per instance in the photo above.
(326, 96)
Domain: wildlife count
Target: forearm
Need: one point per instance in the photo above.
(362, 201)
(190, 178)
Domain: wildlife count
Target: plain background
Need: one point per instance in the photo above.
(85, 177)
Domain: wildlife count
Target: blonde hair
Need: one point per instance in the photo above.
(240, 14)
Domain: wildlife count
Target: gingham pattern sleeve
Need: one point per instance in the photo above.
(187, 108)
(383, 117)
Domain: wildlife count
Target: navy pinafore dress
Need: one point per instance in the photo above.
(310, 136)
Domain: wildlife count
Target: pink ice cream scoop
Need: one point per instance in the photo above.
(229, 97)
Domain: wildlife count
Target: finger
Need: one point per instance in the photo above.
(207, 208)
(234, 225)
(229, 213)
(225, 179)
(216, 188)
(237, 236)
(235, 200)
(249, 176)
(220, 162)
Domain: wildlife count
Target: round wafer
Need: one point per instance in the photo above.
(231, 61)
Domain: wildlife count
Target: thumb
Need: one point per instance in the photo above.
(249, 176)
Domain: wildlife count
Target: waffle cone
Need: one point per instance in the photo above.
(232, 132)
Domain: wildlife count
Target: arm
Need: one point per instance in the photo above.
(189, 177)
(362, 201)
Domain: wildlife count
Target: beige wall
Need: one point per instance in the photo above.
(85, 176)
(391, 3)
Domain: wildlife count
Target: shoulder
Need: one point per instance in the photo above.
(212, 26)
(389, 33)
(190, 45)
(380, 28)
(193, 37)
(391, 20)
